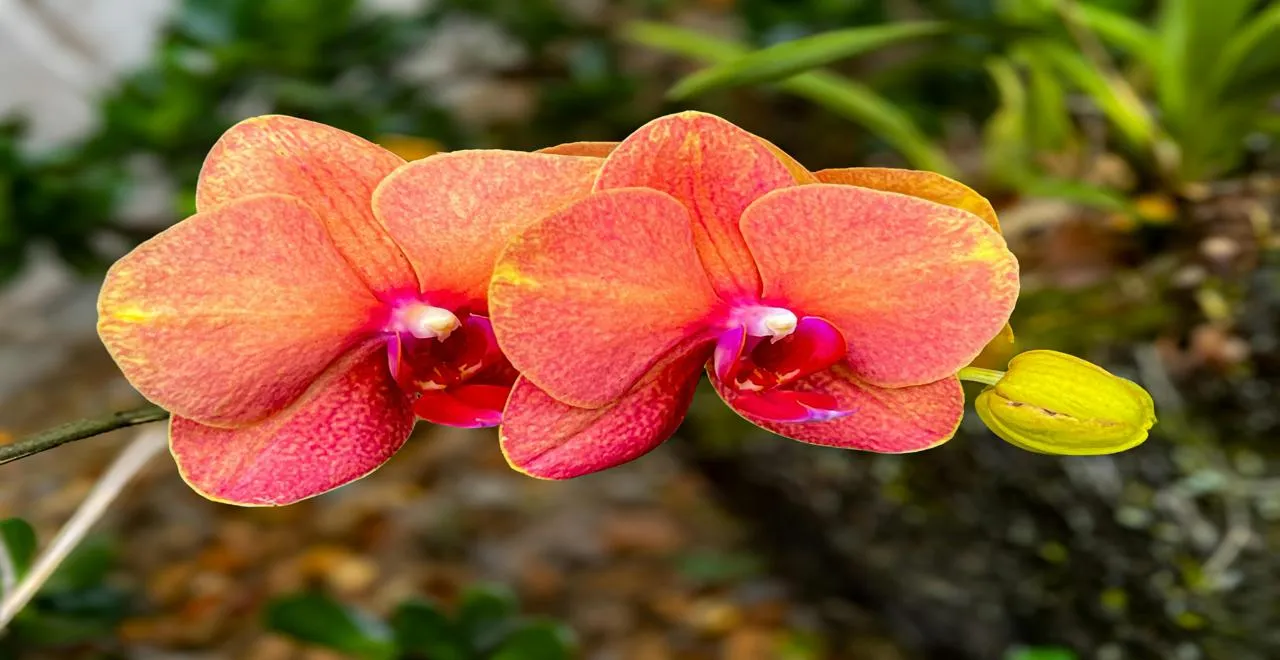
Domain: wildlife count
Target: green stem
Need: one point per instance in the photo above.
(984, 376)
(79, 430)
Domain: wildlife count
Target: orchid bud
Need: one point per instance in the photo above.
(1053, 403)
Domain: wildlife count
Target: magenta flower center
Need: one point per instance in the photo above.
(448, 363)
(764, 351)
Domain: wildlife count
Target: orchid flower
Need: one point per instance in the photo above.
(834, 308)
(324, 295)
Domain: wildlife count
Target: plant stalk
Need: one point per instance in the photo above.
(79, 430)
(984, 376)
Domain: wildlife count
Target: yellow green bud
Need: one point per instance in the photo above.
(1054, 403)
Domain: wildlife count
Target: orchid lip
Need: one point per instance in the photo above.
(762, 373)
(448, 363)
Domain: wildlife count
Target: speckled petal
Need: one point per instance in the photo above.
(716, 170)
(331, 170)
(925, 185)
(453, 213)
(586, 301)
(916, 288)
(228, 316)
(545, 438)
(348, 424)
(886, 421)
(589, 149)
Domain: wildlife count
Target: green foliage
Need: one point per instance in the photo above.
(324, 622)
(718, 569)
(55, 199)
(791, 57)
(1210, 68)
(842, 96)
(1180, 97)
(1190, 64)
(77, 606)
(1041, 653)
(486, 626)
(18, 543)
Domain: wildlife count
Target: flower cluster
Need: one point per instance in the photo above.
(327, 294)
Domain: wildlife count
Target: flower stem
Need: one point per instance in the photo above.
(984, 376)
(79, 430)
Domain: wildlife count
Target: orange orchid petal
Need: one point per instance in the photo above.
(453, 213)
(228, 316)
(545, 438)
(917, 183)
(586, 301)
(716, 170)
(349, 423)
(591, 149)
(886, 421)
(925, 185)
(917, 288)
(331, 170)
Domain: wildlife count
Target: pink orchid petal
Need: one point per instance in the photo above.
(350, 422)
(882, 420)
(467, 406)
(545, 438)
(925, 185)
(716, 170)
(916, 288)
(585, 302)
(228, 316)
(453, 213)
(330, 170)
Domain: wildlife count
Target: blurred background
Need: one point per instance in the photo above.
(1129, 146)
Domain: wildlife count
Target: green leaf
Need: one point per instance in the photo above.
(55, 629)
(1194, 35)
(789, 58)
(1041, 653)
(1007, 150)
(486, 615)
(682, 41)
(1252, 54)
(1118, 30)
(838, 94)
(1074, 191)
(419, 628)
(85, 568)
(541, 640)
(18, 541)
(1116, 100)
(859, 104)
(320, 620)
(1048, 124)
(718, 568)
